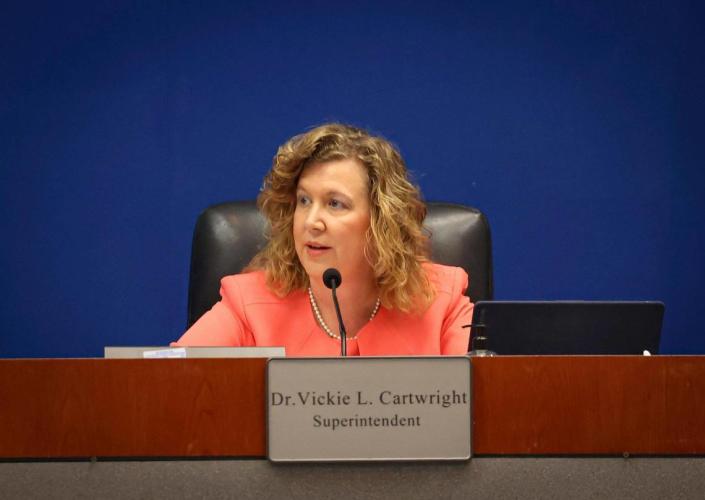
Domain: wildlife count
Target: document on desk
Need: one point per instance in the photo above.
(368, 409)
(178, 352)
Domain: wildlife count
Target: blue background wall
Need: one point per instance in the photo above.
(576, 126)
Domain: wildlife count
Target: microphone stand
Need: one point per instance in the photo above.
(343, 334)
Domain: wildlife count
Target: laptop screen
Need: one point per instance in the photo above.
(569, 327)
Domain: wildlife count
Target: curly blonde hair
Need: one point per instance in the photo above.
(397, 245)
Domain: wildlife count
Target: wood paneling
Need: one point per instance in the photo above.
(122, 408)
(522, 405)
(589, 405)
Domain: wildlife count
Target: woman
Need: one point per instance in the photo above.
(338, 197)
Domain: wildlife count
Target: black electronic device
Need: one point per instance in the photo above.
(569, 327)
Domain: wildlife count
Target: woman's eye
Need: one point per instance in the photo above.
(303, 200)
(336, 204)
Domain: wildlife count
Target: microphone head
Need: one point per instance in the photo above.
(332, 276)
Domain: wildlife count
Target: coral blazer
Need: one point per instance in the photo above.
(249, 314)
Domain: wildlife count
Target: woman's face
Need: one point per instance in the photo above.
(331, 219)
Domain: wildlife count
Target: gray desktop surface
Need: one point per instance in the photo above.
(484, 477)
(120, 352)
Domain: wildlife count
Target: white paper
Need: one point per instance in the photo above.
(178, 352)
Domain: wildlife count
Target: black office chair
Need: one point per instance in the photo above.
(228, 235)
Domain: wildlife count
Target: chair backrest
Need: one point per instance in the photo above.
(228, 235)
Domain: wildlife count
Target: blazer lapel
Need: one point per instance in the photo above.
(385, 336)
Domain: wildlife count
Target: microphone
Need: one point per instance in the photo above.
(332, 279)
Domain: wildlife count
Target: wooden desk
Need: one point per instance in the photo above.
(523, 405)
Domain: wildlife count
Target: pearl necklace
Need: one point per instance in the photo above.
(319, 316)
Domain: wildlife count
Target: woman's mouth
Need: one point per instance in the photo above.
(315, 249)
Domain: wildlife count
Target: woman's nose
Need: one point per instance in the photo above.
(314, 220)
